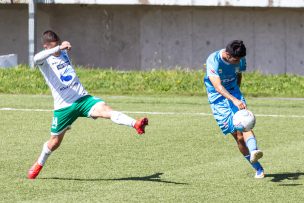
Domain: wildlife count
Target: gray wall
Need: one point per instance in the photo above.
(145, 37)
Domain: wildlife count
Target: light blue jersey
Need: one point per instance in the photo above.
(222, 108)
(216, 66)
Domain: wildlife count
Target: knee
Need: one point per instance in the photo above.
(102, 110)
(239, 138)
(106, 110)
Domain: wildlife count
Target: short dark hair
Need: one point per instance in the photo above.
(236, 48)
(49, 36)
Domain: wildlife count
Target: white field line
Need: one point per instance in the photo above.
(14, 109)
(163, 113)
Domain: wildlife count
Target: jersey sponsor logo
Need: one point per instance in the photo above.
(66, 78)
(228, 80)
(67, 75)
(61, 66)
(69, 86)
(220, 71)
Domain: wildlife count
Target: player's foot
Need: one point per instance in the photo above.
(140, 125)
(34, 171)
(255, 156)
(259, 174)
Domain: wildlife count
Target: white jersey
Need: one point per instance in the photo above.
(60, 77)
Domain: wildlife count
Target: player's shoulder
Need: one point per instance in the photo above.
(213, 59)
(214, 54)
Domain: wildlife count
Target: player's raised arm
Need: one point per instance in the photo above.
(50, 50)
(65, 45)
(41, 56)
(216, 82)
(52, 45)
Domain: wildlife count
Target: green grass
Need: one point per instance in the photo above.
(181, 158)
(22, 80)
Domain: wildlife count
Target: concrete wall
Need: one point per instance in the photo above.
(221, 3)
(145, 37)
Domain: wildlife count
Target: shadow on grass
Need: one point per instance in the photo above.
(152, 178)
(279, 177)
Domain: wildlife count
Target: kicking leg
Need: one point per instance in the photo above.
(251, 143)
(102, 110)
(239, 138)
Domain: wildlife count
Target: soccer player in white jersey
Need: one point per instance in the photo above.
(71, 100)
(222, 80)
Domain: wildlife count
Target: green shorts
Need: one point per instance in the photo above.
(63, 118)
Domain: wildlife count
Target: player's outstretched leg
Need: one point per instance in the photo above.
(101, 110)
(122, 119)
(140, 125)
(238, 136)
(47, 149)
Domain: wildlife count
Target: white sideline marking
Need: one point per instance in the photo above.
(14, 109)
(167, 113)
(162, 113)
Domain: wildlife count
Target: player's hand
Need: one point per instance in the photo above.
(65, 45)
(238, 103)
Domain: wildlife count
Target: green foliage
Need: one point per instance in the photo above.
(22, 80)
(284, 85)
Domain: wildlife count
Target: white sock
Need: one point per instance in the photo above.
(122, 119)
(46, 152)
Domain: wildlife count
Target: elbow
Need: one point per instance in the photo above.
(37, 60)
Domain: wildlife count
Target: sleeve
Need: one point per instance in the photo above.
(212, 67)
(41, 56)
(243, 64)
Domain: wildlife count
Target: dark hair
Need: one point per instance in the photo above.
(236, 48)
(49, 36)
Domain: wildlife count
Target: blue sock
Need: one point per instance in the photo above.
(257, 166)
(251, 143)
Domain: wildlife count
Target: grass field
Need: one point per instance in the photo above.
(182, 157)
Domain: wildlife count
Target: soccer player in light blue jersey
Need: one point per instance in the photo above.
(222, 80)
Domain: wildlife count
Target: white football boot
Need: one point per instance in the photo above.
(255, 155)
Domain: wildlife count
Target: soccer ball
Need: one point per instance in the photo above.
(244, 120)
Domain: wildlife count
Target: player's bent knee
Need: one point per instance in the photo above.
(238, 136)
(102, 110)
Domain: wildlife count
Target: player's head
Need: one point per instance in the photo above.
(50, 39)
(235, 50)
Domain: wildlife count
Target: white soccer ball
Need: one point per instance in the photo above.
(244, 120)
